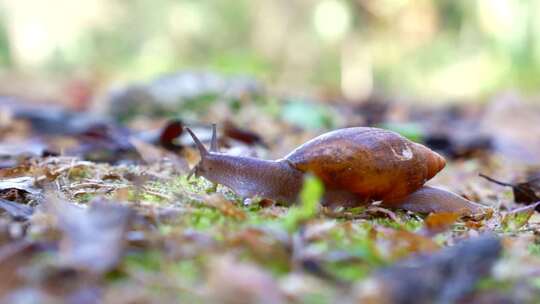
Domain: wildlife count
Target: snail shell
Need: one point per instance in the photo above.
(374, 163)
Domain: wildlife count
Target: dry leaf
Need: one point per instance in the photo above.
(226, 207)
(18, 212)
(439, 222)
(231, 281)
(93, 238)
(442, 277)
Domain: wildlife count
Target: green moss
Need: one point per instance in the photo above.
(188, 271)
(115, 276)
(487, 284)
(78, 173)
(278, 265)
(84, 198)
(407, 223)
(148, 260)
(514, 221)
(194, 185)
(316, 298)
(358, 245)
(349, 271)
(535, 282)
(204, 218)
(534, 249)
(149, 197)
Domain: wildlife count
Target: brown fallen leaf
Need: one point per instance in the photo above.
(263, 245)
(442, 277)
(18, 167)
(152, 154)
(93, 238)
(230, 130)
(52, 119)
(231, 281)
(171, 131)
(308, 262)
(18, 212)
(22, 148)
(20, 190)
(525, 192)
(439, 222)
(226, 207)
(475, 225)
(20, 183)
(13, 256)
(401, 243)
(103, 142)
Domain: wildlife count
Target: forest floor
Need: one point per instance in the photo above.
(99, 211)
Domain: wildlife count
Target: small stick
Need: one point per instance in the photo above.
(515, 187)
(495, 181)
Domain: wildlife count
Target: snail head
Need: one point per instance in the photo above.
(203, 166)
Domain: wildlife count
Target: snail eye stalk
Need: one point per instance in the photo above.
(214, 142)
(198, 143)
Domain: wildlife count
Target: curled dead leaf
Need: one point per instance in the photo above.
(230, 130)
(525, 192)
(445, 276)
(18, 212)
(397, 243)
(439, 222)
(170, 132)
(93, 239)
(226, 207)
(519, 217)
(231, 281)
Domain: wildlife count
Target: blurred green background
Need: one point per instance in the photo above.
(444, 50)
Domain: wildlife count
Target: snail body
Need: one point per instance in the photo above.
(357, 166)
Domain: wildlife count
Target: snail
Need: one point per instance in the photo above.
(357, 166)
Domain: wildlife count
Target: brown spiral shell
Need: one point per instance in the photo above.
(374, 163)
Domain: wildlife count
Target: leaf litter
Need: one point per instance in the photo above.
(114, 219)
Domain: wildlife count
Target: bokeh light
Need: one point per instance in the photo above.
(434, 50)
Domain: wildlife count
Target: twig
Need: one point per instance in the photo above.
(515, 187)
(158, 194)
(491, 179)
